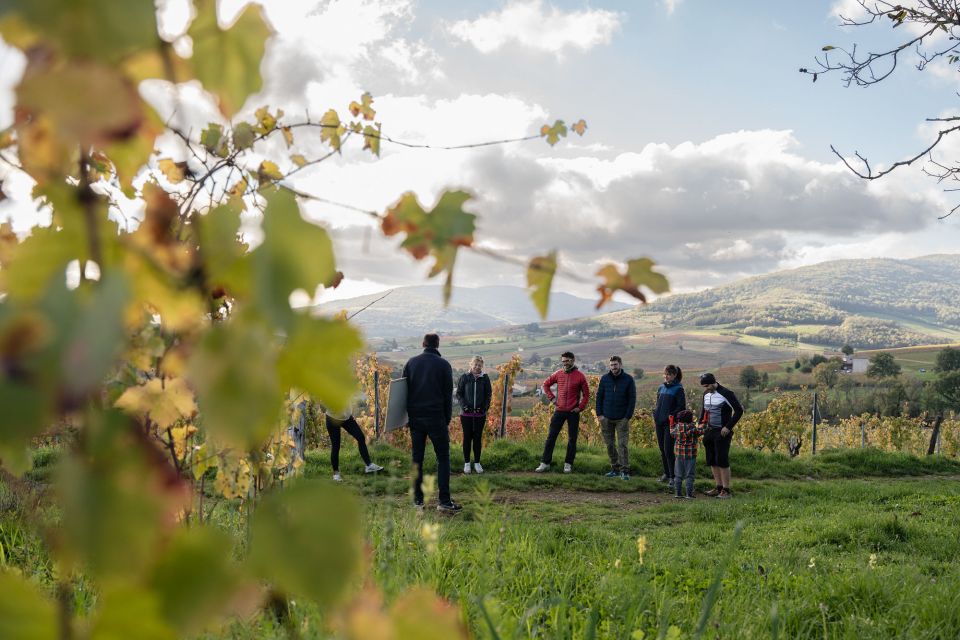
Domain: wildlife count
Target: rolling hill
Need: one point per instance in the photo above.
(412, 311)
(871, 303)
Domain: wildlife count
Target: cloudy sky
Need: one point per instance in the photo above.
(706, 149)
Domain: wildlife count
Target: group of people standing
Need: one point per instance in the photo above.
(430, 393)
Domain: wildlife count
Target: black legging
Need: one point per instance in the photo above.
(472, 435)
(350, 426)
(665, 442)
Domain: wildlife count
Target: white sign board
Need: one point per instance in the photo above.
(396, 405)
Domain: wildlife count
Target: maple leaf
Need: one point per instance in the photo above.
(639, 273)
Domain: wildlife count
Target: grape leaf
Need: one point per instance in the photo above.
(40, 258)
(233, 370)
(420, 613)
(24, 613)
(313, 340)
(163, 401)
(243, 136)
(42, 153)
(288, 136)
(268, 172)
(438, 233)
(298, 159)
(540, 274)
(266, 121)
(211, 136)
(639, 273)
(103, 104)
(105, 30)
(300, 548)
(554, 133)
(295, 254)
(171, 170)
(127, 611)
(580, 126)
(227, 61)
(363, 107)
(224, 255)
(331, 129)
(371, 139)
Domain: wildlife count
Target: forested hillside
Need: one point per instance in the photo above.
(865, 303)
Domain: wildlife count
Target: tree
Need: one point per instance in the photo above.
(816, 359)
(883, 365)
(932, 35)
(947, 383)
(749, 377)
(535, 358)
(546, 362)
(846, 350)
(796, 363)
(825, 374)
(638, 373)
(765, 380)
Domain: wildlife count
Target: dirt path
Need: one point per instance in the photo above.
(567, 495)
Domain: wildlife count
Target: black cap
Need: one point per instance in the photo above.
(708, 378)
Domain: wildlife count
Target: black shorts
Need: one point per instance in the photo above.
(717, 448)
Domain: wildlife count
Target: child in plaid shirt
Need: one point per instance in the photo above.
(686, 433)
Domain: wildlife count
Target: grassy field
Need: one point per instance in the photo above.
(844, 545)
(848, 544)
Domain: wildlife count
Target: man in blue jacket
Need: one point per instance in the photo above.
(616, 400)
(429, 411)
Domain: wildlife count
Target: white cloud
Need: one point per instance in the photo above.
(530, 24)
(671, 5)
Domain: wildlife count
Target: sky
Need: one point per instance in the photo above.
(706, 150)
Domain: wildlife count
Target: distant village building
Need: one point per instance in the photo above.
(854, 365)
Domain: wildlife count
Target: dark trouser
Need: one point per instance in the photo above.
(350, 426)
(472, 436)
(665, 442)
(685, 469)
(572, 419)
(717, 448)
(616, 434)
(436, 430)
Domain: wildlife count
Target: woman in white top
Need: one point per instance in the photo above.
(721, 411)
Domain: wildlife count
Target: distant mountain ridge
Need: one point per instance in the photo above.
(867, 303)
(412, 311)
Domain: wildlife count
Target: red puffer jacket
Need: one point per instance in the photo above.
(571, 387)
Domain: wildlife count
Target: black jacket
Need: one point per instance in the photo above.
(429, 387)
(616, 396)
(473, 393)
(671, 399)
(730, 411)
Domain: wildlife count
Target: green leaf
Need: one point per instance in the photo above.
(371, 139)
(105, 30)
(540, 274)
(301, 547)
(227, 61)
(26, 413)
(639, 273)
(40, 259)
(295, 254)
(130, 612)
(266, 121)
(438, 233)
(211, 136)
(233, 371)
(243, 136)
(196, 578)
(298, 159)
(223, 252)
(117, 500)
(314, 340)
(554, 133)
(24, 613)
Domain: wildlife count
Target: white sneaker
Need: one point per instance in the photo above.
(477, 467)
(337, 478)
(567, 467)
(372, 468)
(466, 468)
(543, 467)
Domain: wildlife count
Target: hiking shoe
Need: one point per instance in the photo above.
(372, 468)
(689, 496)
(713, 493)
(449, 507)
(611, 474)
(543, 466)
(678, 496)
(724, 494)
(624, 475)
(466, 468)
(337, 477)
(477, 468)
(567, 467)
(418, 504)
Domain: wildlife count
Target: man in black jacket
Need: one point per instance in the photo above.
(429, 411)
(721, 411)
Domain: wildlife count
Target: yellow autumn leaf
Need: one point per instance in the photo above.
(163, 401)
(172, 171)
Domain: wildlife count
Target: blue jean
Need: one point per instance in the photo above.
(684, 469)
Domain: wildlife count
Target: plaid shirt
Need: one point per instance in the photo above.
(686, 436)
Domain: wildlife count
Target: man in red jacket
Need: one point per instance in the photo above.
(572, 397)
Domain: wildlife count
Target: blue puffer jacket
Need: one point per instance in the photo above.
(616, 396)
(670, 399)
